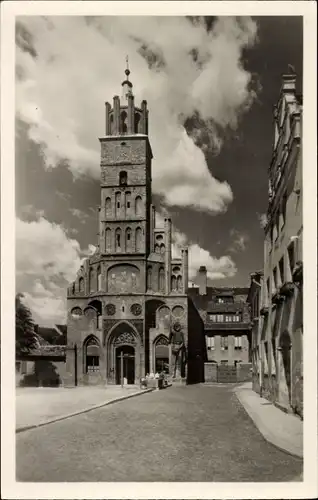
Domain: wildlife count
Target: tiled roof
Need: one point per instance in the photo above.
(47, 334)
(42, 341)
(214, 307)
(62, 328)
(202, 301)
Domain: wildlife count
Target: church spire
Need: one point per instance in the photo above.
(126, 84)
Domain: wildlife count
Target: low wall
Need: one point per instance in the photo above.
(227, 373)
(244, 372)
(41, 373)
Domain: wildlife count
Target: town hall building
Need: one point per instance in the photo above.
(129, 300)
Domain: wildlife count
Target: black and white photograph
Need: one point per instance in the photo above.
(159, 169)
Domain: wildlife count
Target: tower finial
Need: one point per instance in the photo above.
(127, 71)
(127, 85)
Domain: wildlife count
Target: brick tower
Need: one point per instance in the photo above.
(129, 294)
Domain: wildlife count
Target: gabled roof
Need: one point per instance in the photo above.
(202, 301)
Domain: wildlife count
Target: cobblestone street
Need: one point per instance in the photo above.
(195, 433)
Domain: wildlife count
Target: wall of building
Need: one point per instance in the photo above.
(230, 354)
(277, 353)
(215, 373)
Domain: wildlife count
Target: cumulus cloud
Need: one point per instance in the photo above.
(79, 214)
(68, 66)
(30, 211)
(239, 241)
(217, 268)
(63, 196)
(46, 261)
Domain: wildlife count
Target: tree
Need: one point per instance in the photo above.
(25, 336)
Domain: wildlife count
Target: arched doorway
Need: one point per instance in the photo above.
(125, 364)
(123, 354)
(161, 355)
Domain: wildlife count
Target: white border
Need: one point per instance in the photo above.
(10, 489)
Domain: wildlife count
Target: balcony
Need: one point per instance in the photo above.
(264, 311)
(287, 289)
(277, 298)
(298, 273)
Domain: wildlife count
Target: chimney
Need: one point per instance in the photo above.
(202, 280)
(185, 270)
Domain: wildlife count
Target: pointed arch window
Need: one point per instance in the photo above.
(99, 321)
(149, 278)
(108, 207)
(162, 249)
(138, 239)
(117, 202)
(81, 285)
(118, 240)
(128, 240)
(179, 283)
(157, 248)
(108, 237)
(161, 279)
(91, 281)
(92, 355)
(138, 205)
(173, 283)
(99, 279)
(122, 178)
(123, 122)
(128, 202)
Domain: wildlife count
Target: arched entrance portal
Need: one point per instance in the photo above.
(125, 364)
(161, 355)
(123, 355)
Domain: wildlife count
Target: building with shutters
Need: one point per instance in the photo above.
(131, 294)
(227, 326)
(278, 337)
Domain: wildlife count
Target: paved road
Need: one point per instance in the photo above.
(194, 433)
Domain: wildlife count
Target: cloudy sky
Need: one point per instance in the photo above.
(210, 84)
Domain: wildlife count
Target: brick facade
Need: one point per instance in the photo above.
(129, 295)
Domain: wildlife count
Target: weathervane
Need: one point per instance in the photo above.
(127, 71)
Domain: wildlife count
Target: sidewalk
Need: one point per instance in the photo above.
(40, 406)
(281, 429)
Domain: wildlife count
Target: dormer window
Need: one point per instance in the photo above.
(226, 299)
